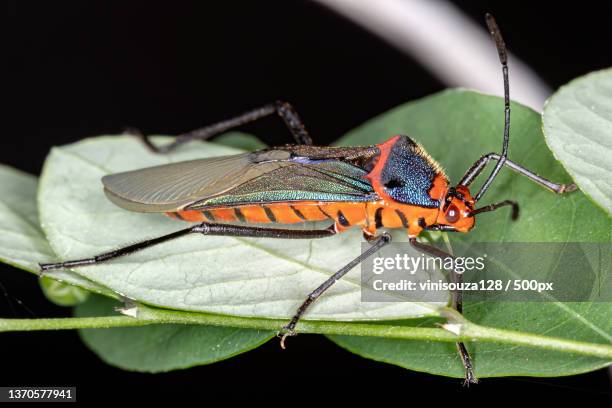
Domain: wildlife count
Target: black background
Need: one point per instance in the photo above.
(82, 68)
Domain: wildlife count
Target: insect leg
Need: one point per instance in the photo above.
(282, 109)
(479, 165)
(203, 228)
(457, 303)
(378, 243)
(115, 253)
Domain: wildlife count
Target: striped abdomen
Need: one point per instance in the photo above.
(344, 214)
(370, 216)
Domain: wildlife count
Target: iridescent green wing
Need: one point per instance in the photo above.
(266, 176)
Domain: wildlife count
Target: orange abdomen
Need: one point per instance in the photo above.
(370, 216)
(345, 214)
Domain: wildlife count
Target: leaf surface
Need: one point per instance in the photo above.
(164, 347)
(577, 125)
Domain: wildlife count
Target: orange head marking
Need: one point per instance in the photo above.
(456, 209)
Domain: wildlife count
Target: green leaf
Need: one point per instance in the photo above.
(61, 293)
(577, 122)
(226, 275)
(164, 347)
(456, 127)
(22, 242)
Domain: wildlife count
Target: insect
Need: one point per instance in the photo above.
(394, 184)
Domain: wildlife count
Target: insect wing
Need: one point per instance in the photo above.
(258, 177)
(302, 180)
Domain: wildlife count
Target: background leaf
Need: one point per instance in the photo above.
(22, 242)
(578, 128)
(236, 276)
(164, 347)
(62, 294)
(456, 127)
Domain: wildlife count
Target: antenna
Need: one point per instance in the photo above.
(503, 58)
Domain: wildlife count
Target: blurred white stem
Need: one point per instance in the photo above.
(454, 48)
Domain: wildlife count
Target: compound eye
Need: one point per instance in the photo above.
(452, 214)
